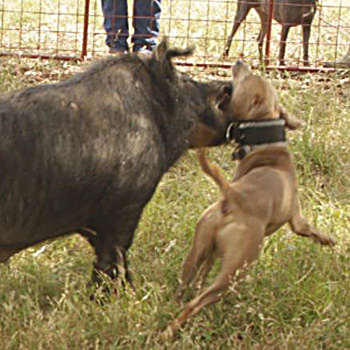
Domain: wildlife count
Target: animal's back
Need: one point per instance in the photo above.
(61, 159)
(294, 12)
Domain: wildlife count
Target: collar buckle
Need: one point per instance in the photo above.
(240, 152)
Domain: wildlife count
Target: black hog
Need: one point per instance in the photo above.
(85, 155)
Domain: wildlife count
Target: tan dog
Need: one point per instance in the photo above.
(261, 199)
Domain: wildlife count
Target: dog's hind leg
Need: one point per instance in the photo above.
(238, 245)
(301, 227)
(199, 260)
(204, 270)
(195, 268)
(243, 9)
(211, 295)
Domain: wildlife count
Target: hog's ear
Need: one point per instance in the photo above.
(161, 50)
(223, 99)
(162, 59)
(163, 56)
(292, 122)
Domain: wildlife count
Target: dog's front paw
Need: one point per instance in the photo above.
(327, 240)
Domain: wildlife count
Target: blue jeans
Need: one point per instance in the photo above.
(145, 22)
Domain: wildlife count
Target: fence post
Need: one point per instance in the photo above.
(86, 29)
(268, 36)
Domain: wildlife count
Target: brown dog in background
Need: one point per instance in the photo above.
(261, 199)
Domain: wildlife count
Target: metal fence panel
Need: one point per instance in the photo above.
(72, 29)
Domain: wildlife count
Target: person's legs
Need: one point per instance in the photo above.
(116, 24)
(146, 24)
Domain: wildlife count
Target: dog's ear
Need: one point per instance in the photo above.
(223, 99)
(292, 122)
(259, 108)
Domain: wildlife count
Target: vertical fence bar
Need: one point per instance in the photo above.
(268, 36)
(188, 33)
(86, 29)
(39, 26)
(318, 40)
(20, 29)
(58, 27)
(2, 23)
(338, 30)
(77, 27)
(94, 27)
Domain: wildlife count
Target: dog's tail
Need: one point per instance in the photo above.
(214, 172)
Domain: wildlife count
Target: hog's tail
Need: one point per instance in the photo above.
(214, 172)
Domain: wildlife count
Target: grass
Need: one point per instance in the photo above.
(295, 297)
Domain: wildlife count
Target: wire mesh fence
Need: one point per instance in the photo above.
(73, 29)
(41, 27)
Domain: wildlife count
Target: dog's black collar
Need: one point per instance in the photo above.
(250, 133)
